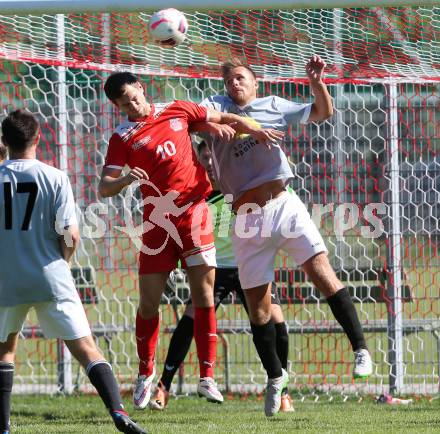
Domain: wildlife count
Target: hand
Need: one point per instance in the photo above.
(135, 174)
(223, 131)
(267, 136)
(315, 68)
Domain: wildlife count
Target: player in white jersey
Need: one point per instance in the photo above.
(226, 281)
(38, 236)
(256, 178)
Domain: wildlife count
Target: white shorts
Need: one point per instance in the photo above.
(65, 319)
(282, 224)
(205, 256)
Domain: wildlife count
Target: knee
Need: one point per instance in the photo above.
(317, 265)
(88, 355)
(7, 356)
(277, 314)
(147, 308)
(201, 281)
(322, 275)
(203, 296)
(260, 315)
(8, 348)
(84, 350)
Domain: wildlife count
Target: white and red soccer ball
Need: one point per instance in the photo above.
(168, 27)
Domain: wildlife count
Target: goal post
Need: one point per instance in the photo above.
(370, 177)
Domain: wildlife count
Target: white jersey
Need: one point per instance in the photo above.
(244, 163)
(34, 198)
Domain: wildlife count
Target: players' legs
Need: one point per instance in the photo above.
(84, 350)
(322, 275)
(201, 281)
(67, 320)
(308, 249)
(259, 303)
(225, 280)
(180, 344)
(324, 278)
(101, 376)
(8, 348)
(151, 287)
(282, 347)
(189, 311)
(98, 370)
(198, 256)
(255, 257)
(228, 278)
(282, 337)
(11, 322)
(153, 275)
(7, 358)
(264, 336)
(277, 317)
(277, 314)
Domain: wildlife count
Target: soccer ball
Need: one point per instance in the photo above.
(168, 27)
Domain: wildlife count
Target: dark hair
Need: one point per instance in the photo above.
(114, 84)
(227, 67)
(200, 146)
(3, 152)
(19, 129)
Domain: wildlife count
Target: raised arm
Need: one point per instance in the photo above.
(112, 182)
(322, 107)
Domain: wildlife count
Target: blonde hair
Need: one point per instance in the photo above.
(227, 67)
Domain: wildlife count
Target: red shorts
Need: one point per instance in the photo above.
(187, 237)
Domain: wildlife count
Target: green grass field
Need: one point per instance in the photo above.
(316, 358)
(85, 414)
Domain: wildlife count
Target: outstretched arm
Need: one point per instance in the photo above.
(322, 107)
(226, 125)
(223, 131)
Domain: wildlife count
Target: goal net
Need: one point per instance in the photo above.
(370, 176)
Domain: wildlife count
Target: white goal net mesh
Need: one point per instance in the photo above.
(382, 143)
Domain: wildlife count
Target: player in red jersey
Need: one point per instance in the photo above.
(154, 142)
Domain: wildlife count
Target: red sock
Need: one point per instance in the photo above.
(147, 333)
(205, 335)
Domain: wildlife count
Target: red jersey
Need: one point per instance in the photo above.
(161, 145)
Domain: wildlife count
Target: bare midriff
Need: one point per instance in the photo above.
(260, 195)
